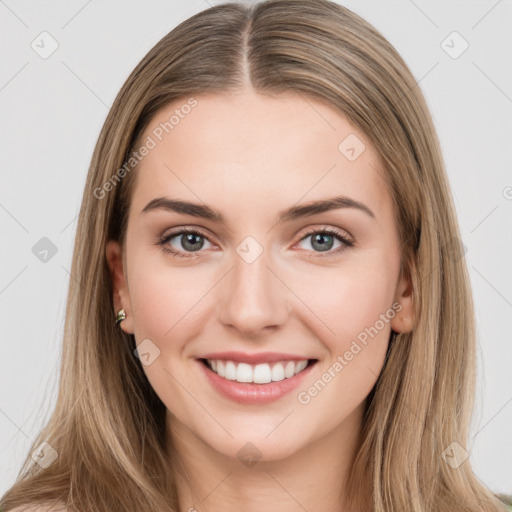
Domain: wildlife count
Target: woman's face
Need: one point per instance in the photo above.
(260, 282)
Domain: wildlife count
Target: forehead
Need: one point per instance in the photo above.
(252, 150)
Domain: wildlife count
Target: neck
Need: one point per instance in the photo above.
(312, 478)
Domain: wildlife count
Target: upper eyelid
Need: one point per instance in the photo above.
(335, 231)
(184, 231)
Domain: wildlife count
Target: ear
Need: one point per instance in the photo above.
(121, 298)
(405, 319)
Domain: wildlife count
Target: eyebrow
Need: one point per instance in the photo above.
(293, 213)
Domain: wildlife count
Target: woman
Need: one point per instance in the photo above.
(270, 308)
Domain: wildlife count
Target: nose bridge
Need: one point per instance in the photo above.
(252, 297)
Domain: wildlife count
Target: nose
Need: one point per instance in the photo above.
(252, 298)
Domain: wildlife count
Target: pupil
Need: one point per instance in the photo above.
(323, 246)
(189, 239)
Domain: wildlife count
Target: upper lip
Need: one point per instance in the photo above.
(262, 357)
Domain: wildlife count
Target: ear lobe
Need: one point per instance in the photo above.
(404, 320)
(121, 298)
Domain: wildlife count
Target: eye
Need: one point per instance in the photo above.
(323, 240)
(187, 239)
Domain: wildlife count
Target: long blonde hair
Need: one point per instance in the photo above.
(108, 425)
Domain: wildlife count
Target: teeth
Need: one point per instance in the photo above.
(289, 371)
(259, 373)
(243, 372)
(277, 372)
(262, 374)
(230, 370)
(300, 366)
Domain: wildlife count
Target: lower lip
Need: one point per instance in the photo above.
(251, 393)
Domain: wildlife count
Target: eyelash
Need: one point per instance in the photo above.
(311, 231)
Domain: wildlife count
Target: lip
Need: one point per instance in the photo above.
(262, 357)
(251, 393)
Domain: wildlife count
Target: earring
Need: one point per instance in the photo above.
(121, 315)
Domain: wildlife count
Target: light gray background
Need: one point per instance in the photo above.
(52, 112)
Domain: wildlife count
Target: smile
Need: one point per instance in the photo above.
(260, 383)
(258, 373)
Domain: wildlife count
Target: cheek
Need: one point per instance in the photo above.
(357, 307)
(355, 302)
(165, 299)
(166, 303)
(350, 298)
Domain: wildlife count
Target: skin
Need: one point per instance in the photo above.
(251, 156)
